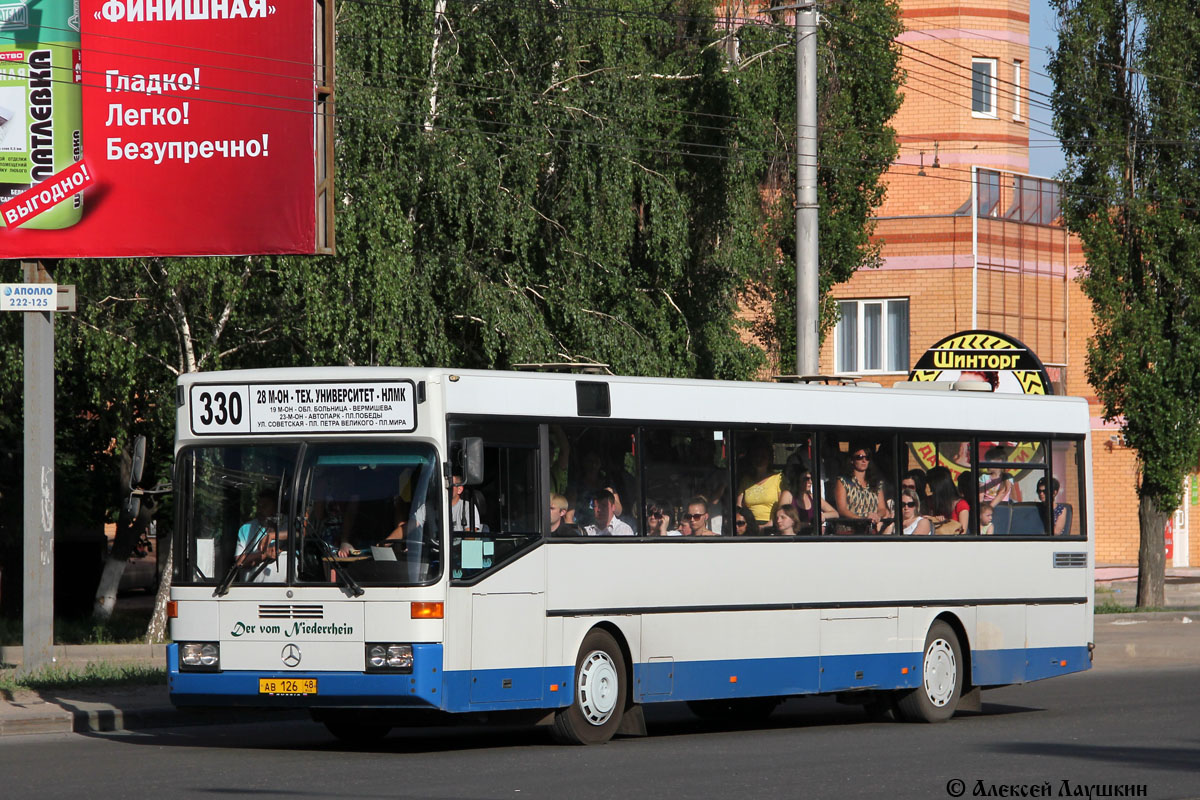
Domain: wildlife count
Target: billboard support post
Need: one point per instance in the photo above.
(38, 593)
(324, 119)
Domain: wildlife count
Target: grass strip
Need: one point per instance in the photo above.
(122, 628)
(94, 674)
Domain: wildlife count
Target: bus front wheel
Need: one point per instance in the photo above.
(941, 678)
(599, 693)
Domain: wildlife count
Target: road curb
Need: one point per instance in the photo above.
(111, 719)
(1182, 615)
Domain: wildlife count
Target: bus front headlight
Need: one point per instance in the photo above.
(200, 655)
(383, 657)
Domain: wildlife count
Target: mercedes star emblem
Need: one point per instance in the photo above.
(290, 655)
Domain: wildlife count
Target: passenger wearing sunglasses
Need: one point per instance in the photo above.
(744, 523)
(697, 517)
(858, 493)
(911, 521)
(658, 520)
(1060, 509)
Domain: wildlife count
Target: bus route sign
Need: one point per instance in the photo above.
(291, 408)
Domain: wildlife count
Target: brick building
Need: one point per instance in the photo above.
(972, 241)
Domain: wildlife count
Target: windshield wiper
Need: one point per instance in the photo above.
(340, 575)
(223, 587)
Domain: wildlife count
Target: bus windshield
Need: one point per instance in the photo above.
(362, 514)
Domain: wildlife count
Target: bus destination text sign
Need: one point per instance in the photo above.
(282, 408)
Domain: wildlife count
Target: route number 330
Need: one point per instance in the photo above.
(218, 409)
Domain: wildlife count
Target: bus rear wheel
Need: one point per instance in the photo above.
(941, 678)
(599, 693)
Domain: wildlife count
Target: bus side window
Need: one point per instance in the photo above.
(1067, 503)
(501, 516)
(601, 458)
(684, 467)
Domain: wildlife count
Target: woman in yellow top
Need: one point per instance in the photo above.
(763, 490)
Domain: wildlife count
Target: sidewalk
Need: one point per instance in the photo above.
(1129, 641)
(1117, 585)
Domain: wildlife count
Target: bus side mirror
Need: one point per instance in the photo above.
(472, 456)
(137, 461)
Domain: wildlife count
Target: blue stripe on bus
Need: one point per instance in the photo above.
(658, 681)
(1046, 662)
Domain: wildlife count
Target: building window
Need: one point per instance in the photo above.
(983, 87)
(987, 192)
(1017, 90)
(872, 336)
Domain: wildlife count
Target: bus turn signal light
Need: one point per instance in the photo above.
(172, 609)
(427, 611)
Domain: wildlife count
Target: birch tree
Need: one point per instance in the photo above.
(139, 326)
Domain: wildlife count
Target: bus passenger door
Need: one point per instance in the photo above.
(507, 646)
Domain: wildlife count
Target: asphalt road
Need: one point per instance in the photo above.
(1114, 729)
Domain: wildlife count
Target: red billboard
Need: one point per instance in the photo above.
(157, 128)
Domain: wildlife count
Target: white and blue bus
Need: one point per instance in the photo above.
(388, 546)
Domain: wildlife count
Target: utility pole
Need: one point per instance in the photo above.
(38, 627)
(38, 299)
(808, 342)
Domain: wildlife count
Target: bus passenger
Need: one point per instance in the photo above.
(787, 521)
(911, 521)
(945, 503)
(558, 513)
(762, 487)
(744, 523)
(658, 520)
(1060, 509)
(806, 502)
(997, 486)
(962, 510)
(592, 480)
(464, 515)
(985, 519)
(697, 516)
(607, 523)
(915, 479)
(858, 493)
(259, 540)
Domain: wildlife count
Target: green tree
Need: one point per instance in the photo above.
(558, 181)
(139, 325)
(517, 182)
(1127, 109)
(858, 79)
